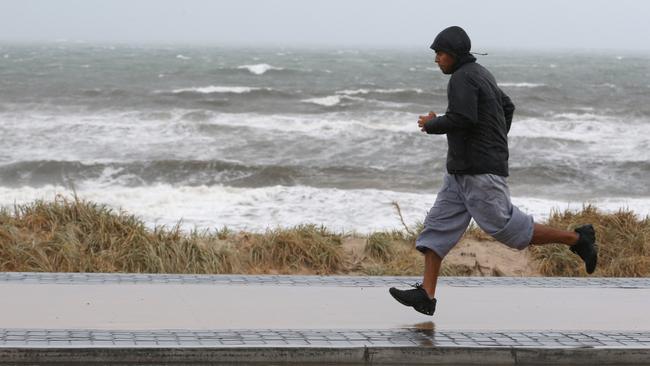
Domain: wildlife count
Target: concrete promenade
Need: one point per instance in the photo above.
(235, 319)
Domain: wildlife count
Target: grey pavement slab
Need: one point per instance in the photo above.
(192, 306)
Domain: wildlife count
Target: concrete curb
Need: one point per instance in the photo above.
(327, 355)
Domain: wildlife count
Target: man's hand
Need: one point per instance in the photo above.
(424, 119)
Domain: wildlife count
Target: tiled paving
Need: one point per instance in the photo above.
(343, 281)
(19, 338)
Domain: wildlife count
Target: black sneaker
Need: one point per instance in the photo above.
(417, 298)
(586, 247)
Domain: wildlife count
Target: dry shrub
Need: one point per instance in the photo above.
(380, 246)
(72, 235)
(391, 253)
(623, 244)
(476, 233)
(394, 254)
(303, 248)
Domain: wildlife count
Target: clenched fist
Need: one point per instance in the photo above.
(424, 119)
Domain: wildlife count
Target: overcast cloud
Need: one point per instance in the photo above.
(562, 24)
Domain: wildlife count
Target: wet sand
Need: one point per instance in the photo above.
(168, 306)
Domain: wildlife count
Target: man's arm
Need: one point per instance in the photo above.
(448, 122)
(462, 111)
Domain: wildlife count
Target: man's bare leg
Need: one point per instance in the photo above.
(543, 234)
(585, 247)
(432, 263)
(421, 297)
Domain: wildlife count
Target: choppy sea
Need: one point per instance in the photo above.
(259, 138)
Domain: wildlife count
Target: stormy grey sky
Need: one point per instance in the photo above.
(534, 24)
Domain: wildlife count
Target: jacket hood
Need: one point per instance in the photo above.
(455, 41)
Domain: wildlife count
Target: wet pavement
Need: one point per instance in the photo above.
(46, 311)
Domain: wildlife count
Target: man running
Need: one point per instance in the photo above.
(476, 123)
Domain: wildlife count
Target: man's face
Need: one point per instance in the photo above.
(445, 62)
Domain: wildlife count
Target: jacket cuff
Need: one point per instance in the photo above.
(437, 125)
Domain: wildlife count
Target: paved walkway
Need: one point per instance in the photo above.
(138, 318)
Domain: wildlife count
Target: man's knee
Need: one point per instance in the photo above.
(518, 231)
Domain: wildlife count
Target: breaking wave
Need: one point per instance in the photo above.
(258, 69)
(219, 89)
(258, 209)
(521, 85)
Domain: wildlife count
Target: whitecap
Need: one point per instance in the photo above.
(259, 69)
(521, 85)
(330, 125)
(328, 101)
(182, 57)
(378, 91)
(218, 89)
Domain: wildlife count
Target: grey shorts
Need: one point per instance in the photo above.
(483, 197)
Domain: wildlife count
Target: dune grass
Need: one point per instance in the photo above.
(392, 253)
(73, 235)
(623, 244)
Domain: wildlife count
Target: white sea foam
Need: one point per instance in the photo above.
(119, 136)
(257, 209)
(328, 101)
(604, 137)
(378, 91)
(521, 85)
(128, 136)
(113, 136)
(182, 57)
(326, 125)
(219, 89)
(259, 69)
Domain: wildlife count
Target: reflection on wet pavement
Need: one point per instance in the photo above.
(424, 333)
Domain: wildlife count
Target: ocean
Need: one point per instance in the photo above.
(262, 138)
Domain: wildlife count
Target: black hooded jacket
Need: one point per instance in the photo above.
(478, 115)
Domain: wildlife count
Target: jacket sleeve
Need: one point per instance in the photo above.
(446, 123)
(462, 111)
(508, 109)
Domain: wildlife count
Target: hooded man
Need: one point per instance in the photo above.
(476, 123)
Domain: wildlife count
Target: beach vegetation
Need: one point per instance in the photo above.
(623, 244)
(69, 234)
